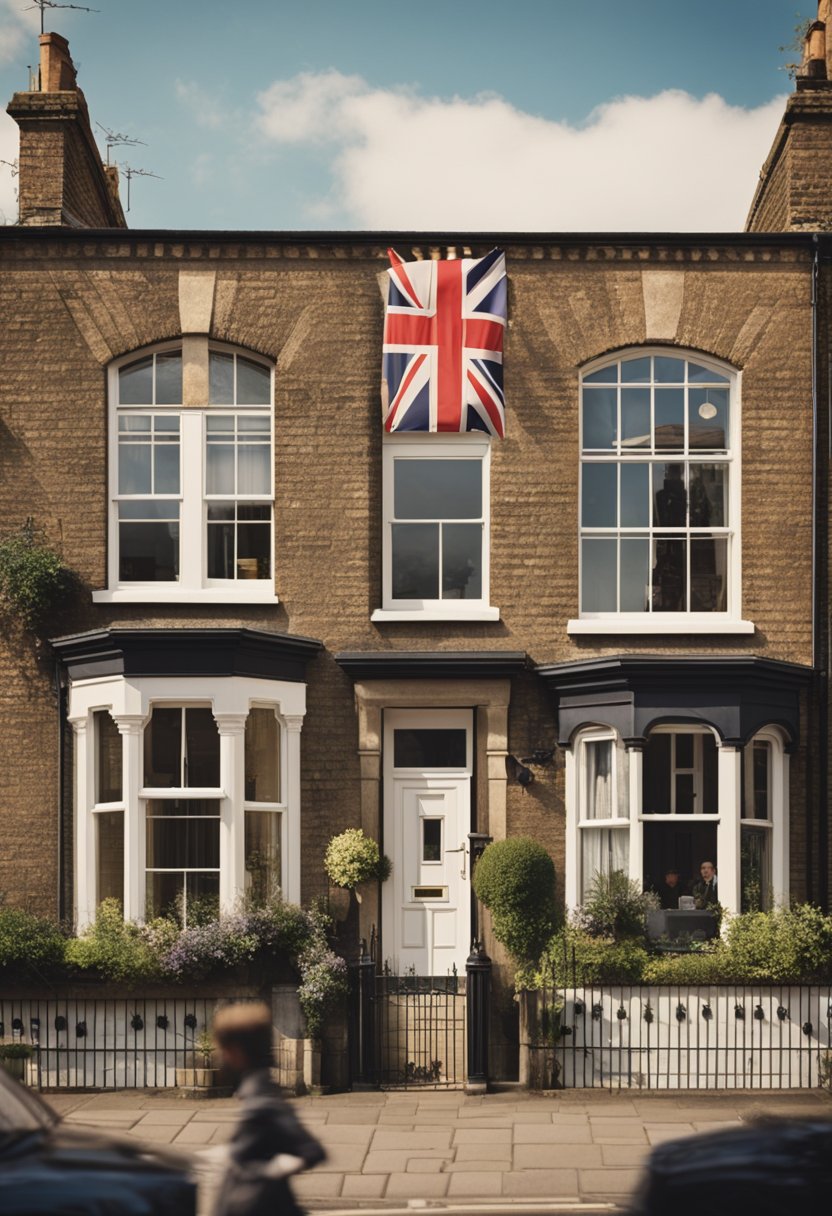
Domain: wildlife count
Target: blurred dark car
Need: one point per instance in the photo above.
(774, 1167)
(49, 1169)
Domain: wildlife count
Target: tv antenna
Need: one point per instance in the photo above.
(43, 5)
(130, 173)
(14, 165)
(116, 139)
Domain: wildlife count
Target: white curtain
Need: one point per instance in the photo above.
(603, 850)
(599, 779)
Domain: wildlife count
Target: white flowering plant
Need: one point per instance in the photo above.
(353, 858)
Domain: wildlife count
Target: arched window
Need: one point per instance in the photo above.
(191, 476)
(659, 495)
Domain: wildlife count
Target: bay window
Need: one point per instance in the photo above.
(604, 809)
(191, 477)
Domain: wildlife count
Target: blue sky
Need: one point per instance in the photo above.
(358, 113)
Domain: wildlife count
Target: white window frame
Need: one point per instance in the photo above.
(666, 623)
(436, 447)
(130, 702)
(728, 820)
(619, 821)
(193, 584)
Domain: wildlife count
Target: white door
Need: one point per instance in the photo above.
(426, 906)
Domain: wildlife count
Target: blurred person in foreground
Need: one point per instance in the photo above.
(269, 1143)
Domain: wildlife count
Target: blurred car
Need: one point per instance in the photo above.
(50, 1169)
(773, 1167)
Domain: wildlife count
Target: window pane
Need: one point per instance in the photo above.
(684, 751)
(635, 575)
(656, 776)
(600, 417)
(262, 855)
(709, 574)
(670, 574)
(428, 749)
(755, 869)
(704, 375)
(431, 840)
(169, 379)
(108, 759)
(254, 550)
(761, 770)
(708, 496)
(134, 468)
(202, 755)
(110, 854)
(437, 489)
(148, 552)
(669, 405)
(669, 497)
(462, 561)
(253, 383)
(262, 756)
(668, 371)
(221, 550)
(177, 841)
(254, 468)
(599, 491)
(219, 473)
(166, 457)
(599, 801)
(221, 378)
(635, 495)
(165, 896)
(598, 575)
(635, 418)
(202, 896)
(415, 573)
(708, 417)
(135, 383)
(684, 794)
(148, 510)
(163, 748)
(635, 371)
(607, 375)
(136, 424)
(604, 851)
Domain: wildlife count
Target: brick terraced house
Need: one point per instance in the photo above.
(289, 622)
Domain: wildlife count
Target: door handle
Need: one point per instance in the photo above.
(463, 849)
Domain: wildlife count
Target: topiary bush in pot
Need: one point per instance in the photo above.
(352, 859)
(515, 880)
(616, 907)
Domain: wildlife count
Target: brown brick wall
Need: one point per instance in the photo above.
(795, 190)
(73, 304)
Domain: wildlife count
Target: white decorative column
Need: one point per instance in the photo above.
(635, 756)
(291, 834)
(729, 763)
(572, 858)
(85, 875)
(131, 729)
(232, 729)
(780, 876)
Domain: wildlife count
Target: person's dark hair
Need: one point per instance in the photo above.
(672, 870)
(249, 1028)
(706, 861)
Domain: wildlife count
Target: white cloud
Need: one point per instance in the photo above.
(9, 143)
(401, 160)
(205, 107)
(17, 25)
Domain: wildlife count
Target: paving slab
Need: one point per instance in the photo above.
(608, 1182)
(545, 1156)
(474, 1185)
(417, 1186)
(553, 1133)
(363, 1186)
(541, 1184)
(440, 1137)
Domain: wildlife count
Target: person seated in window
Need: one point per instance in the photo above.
(670, 888)
(704, 889)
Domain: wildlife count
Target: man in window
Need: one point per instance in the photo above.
(670, 889)
(704, 889)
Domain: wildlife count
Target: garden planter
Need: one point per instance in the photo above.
(197, 1078)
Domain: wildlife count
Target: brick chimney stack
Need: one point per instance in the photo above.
(795, 189)
(62, 182)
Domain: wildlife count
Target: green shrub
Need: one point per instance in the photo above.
(575, 954)
(515, 879)
(711, 966)
(353, 858)
(616, 907)
(33, 578)
(15, 1051)
(29, 942)
(778, 947)
(115, 948)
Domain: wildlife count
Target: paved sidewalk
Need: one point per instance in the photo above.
(389, 1149)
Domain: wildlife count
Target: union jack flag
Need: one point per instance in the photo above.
(442, 368)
